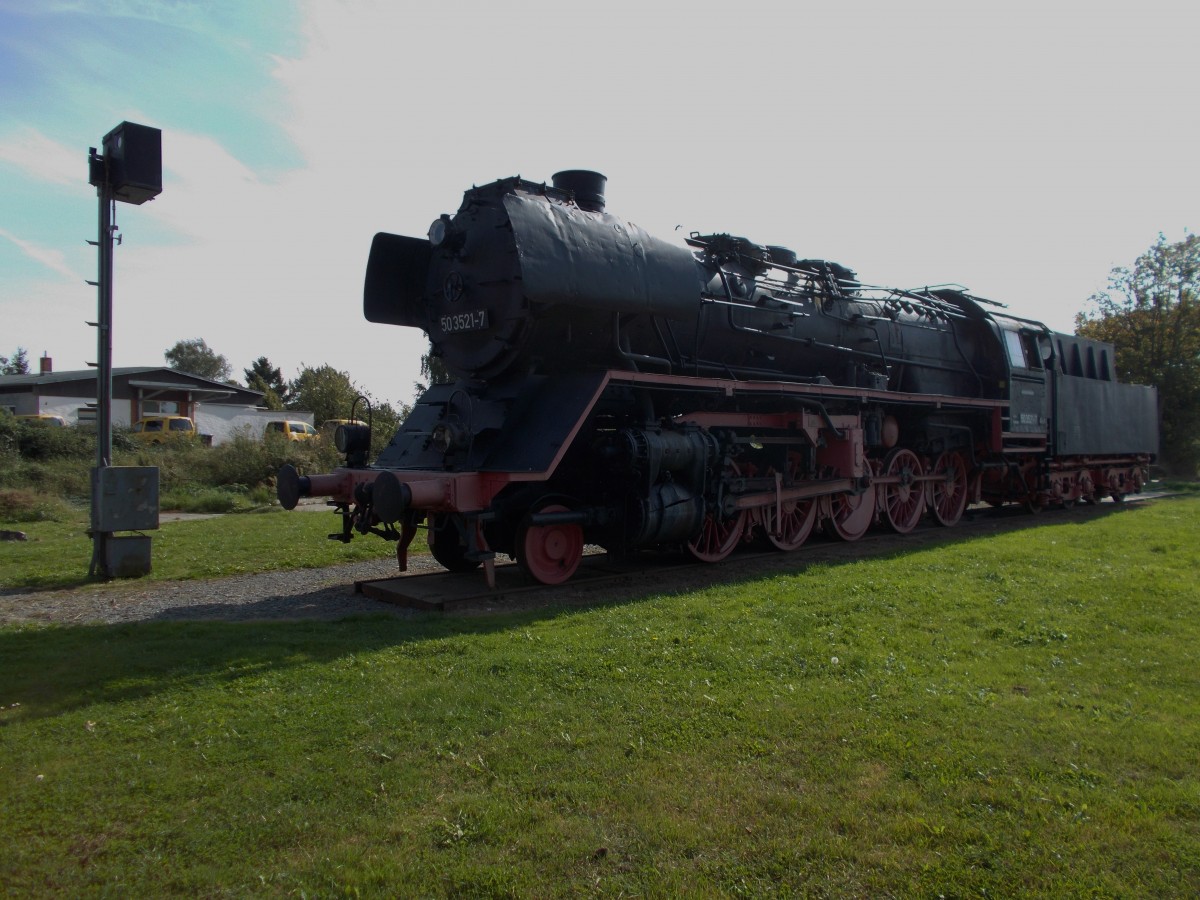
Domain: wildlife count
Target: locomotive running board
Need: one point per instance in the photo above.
(736, 388)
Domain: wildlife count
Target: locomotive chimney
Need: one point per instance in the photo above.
(588, 187)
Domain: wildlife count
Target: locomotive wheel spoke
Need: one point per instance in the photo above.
(550, 554)
(903, 503)
(848, 516)
(796, 518)
(948, 495)
(718, 537)
(793, 527)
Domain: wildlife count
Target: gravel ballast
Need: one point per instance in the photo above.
(319, 594)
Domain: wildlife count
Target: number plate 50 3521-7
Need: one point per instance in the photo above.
(475, 320)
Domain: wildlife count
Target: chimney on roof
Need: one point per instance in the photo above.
(46, 365)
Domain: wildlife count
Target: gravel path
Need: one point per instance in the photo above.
(323, 594)
(327, 594)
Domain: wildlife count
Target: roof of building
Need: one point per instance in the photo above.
(158, 377)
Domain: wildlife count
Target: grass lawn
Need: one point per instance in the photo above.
(1014, 715)
(57, 554)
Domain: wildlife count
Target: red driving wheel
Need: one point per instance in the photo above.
(903, 502)
(948, 495)
(848, 516)
(787, 525)
(718, 537)
(550, 554)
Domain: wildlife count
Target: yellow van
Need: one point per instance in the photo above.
(290, 430)
(157, 429)
(42, 419)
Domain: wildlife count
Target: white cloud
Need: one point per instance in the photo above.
(52, 259)
(42, 158)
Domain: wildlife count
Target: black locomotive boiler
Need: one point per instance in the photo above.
(619, 390)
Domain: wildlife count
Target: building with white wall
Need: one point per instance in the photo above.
(219, 410)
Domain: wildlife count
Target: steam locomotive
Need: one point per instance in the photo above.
(618, 390)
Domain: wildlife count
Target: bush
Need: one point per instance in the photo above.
(239, 474)
(40, 442)
(8, 433)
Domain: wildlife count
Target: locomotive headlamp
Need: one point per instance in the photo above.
(450, 435)
(443, 236)
(437, 231)
(352, 438)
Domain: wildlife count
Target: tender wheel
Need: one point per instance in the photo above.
(1087, 489)
(848, 516)
(445, 543)
(902, 503)
(550, 554)
(948, 495)
(1116, 488)
(718, 537)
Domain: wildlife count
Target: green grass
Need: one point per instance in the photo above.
(1016, 715)
(57, 554)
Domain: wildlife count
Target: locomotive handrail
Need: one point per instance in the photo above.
(634, 358)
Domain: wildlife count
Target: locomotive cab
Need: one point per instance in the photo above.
(1028, 352)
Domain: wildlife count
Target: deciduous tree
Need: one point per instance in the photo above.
(433, 371)
(1151, 314)
(385, 420)
(197, 358)
(323, 391)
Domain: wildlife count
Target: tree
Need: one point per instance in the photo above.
(1151, 314)
(262, 376)
(196, 358)
(433, 371)
(323, 391)
(385, 421)
(17, 364)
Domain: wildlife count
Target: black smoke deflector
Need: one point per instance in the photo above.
(395, 285)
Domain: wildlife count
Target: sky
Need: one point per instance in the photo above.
(1021, 150)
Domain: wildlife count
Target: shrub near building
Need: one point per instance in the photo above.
(240, 474)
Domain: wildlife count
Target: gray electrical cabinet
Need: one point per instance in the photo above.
(124, 498)
(128, 498)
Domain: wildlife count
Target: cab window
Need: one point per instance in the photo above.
(1016, 352)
